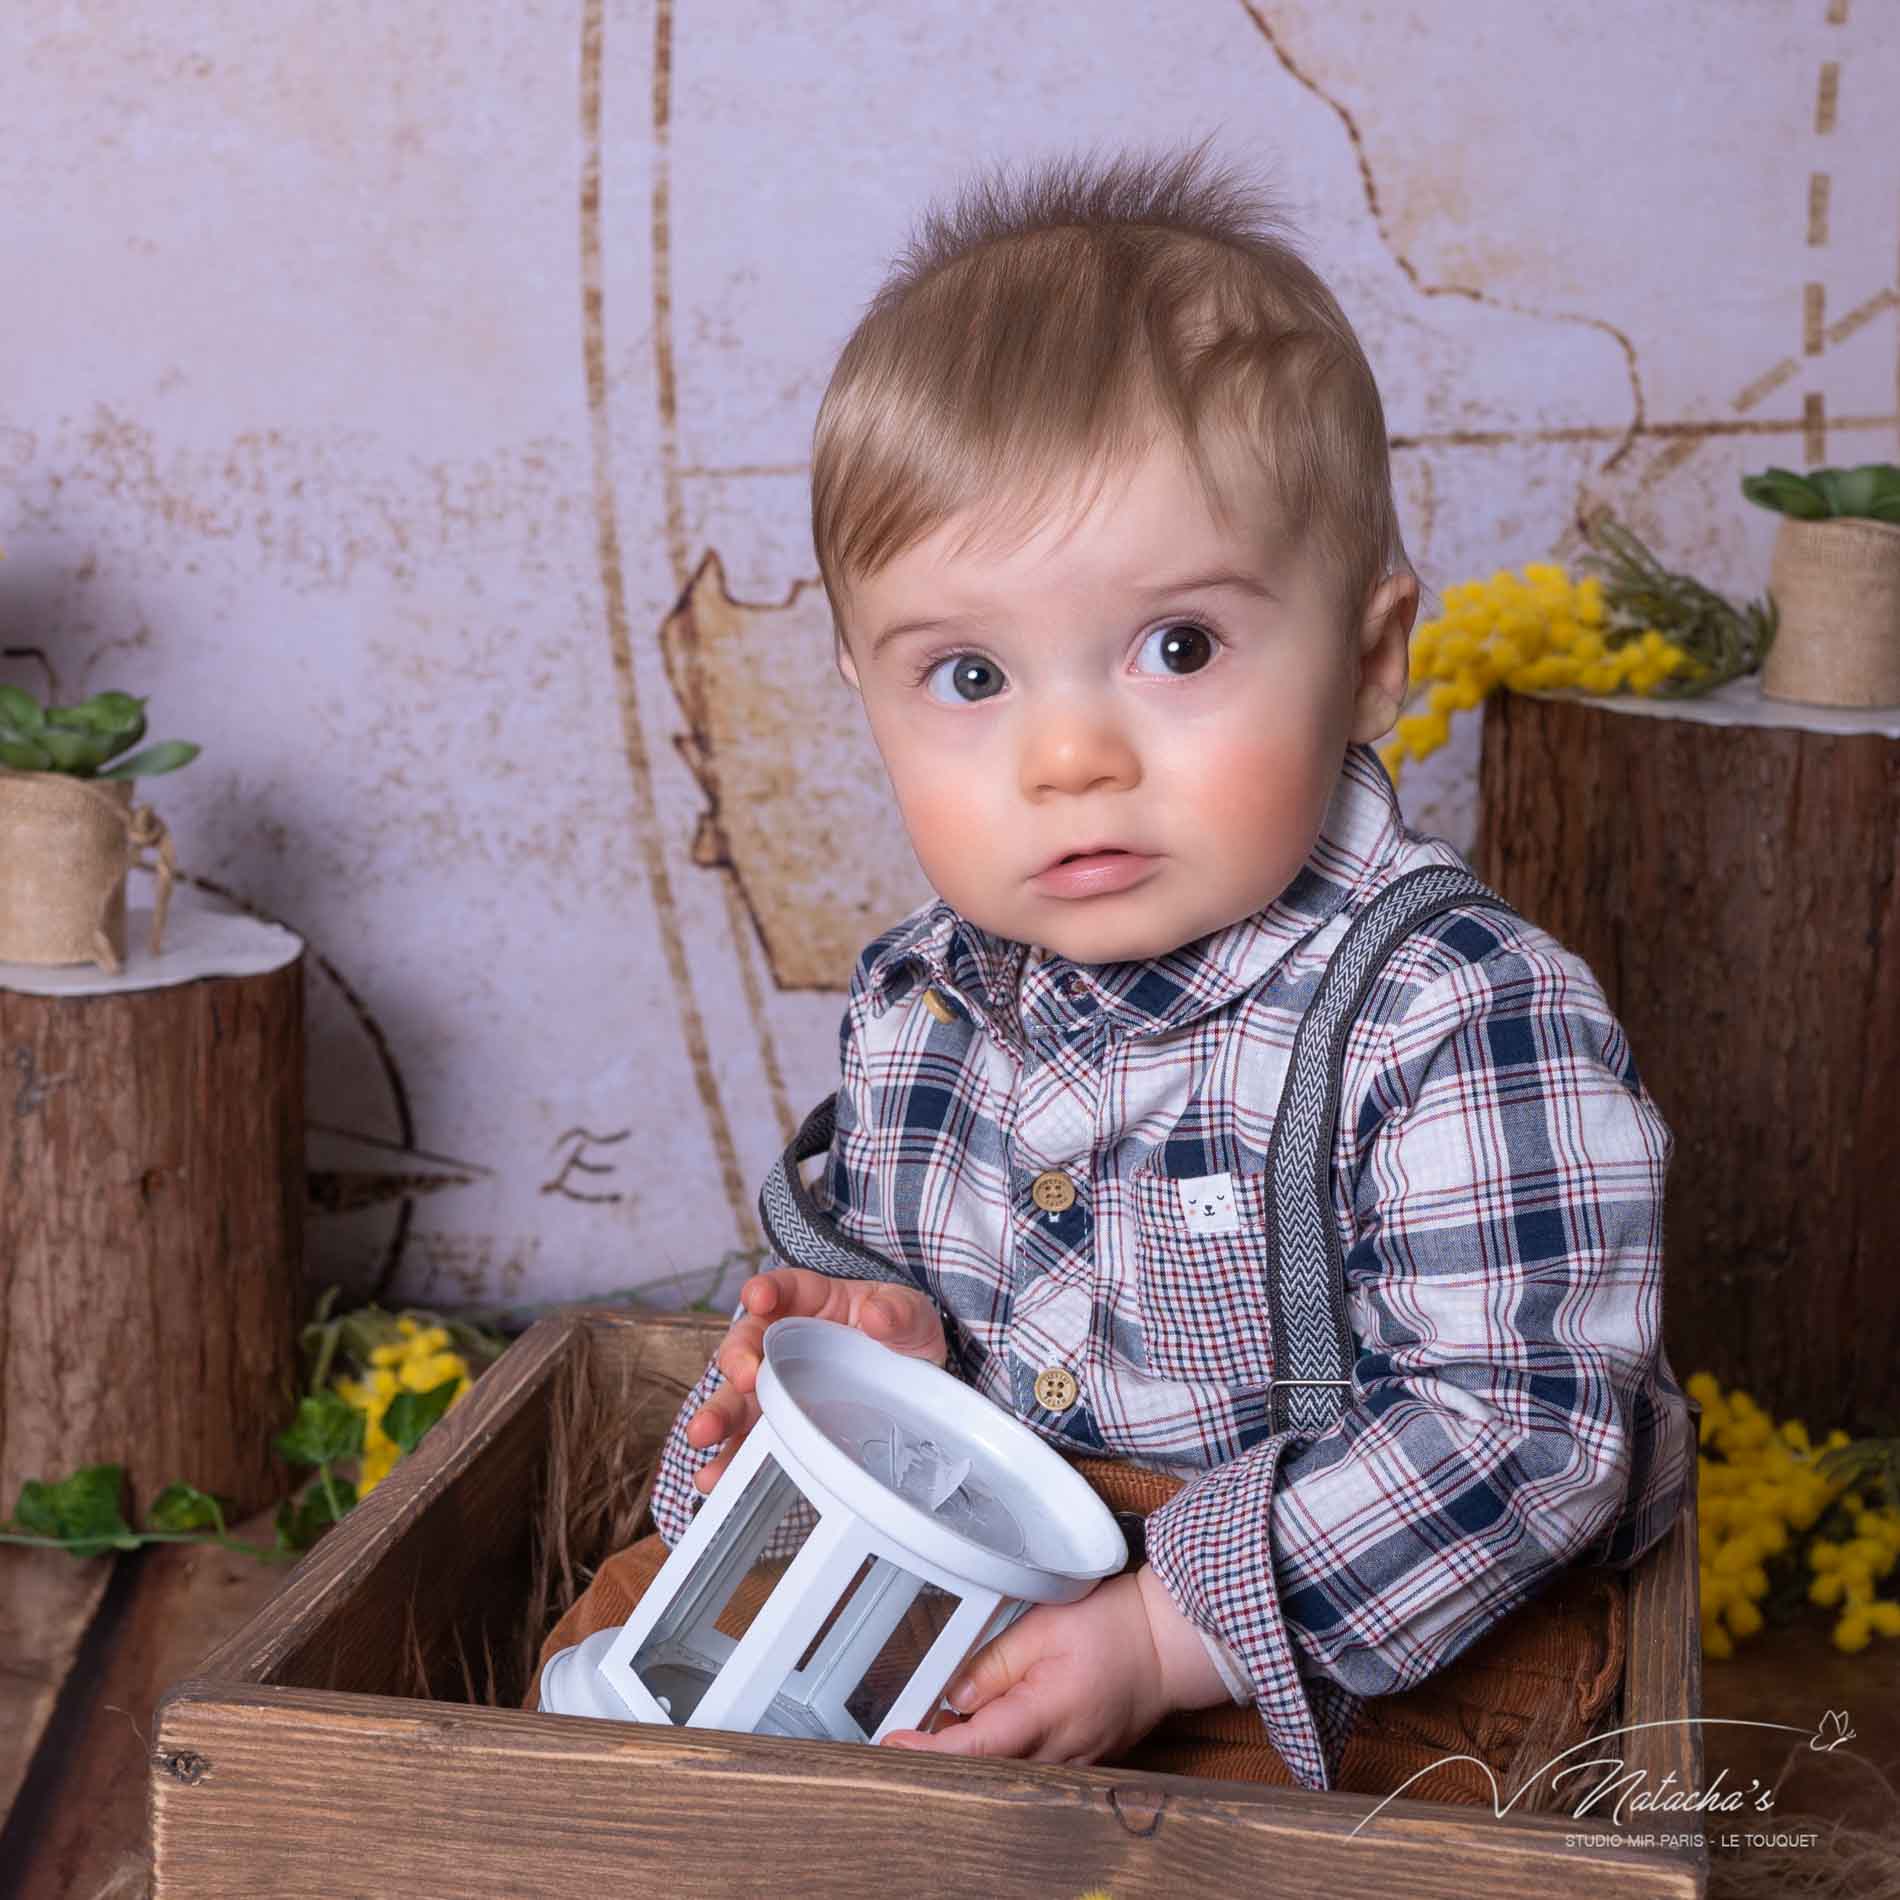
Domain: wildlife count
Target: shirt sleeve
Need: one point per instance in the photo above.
(1505, 1169)
(846, 1189)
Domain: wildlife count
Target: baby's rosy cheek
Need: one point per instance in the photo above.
(937, 815)
(1244, 783)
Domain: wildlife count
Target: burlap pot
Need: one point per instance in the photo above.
(1836, 586)
(65, 847)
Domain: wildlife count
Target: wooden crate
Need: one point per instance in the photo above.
(289, 1768)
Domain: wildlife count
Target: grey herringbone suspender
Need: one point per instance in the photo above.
(1306, 1278)
(798, 1230)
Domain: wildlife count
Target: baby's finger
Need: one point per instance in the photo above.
(904, 1321)
(725, 1413)
(799, 1293)
(709, 1475)
(740, 1352)
(792, 1293)
(1014, 1726)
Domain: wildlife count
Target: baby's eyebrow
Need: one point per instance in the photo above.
(937, 624)
(1236, 580)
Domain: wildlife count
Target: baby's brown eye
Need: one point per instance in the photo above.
(965, 677)
(1179, 647)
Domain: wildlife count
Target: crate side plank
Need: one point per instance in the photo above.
(254, 1788)
(443, 1540)
(1662, 1667)
(350, 1602)
(671, 1347)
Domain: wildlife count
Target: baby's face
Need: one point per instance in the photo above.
(1123, 733)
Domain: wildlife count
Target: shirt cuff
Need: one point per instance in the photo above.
(1209, 1546)
(1227, 1666)
(675, 1497)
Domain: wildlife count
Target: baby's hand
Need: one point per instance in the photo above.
(1075, 1682)
(894, 1315)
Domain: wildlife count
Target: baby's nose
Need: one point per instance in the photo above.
(1077, 748)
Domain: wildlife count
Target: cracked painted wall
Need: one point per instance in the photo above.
(417, 406)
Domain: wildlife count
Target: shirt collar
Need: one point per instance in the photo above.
(1358, 837)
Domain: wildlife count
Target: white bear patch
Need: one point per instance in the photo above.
(1208, 1202)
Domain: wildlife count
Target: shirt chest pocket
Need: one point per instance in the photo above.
(1201, 1276)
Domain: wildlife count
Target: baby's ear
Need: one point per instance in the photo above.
(1385, 633)
(841, 658)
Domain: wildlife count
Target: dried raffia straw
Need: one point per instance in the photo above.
(1847, 1862)
(130, 1879)
(597, 1489)
(592, 1501)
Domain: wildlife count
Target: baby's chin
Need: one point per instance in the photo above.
(1087, 932)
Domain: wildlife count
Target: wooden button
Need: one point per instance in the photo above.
(938, 1007)
(1052, 1191)
(1056, 1389)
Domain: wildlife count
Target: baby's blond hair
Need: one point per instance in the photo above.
(1041, 332)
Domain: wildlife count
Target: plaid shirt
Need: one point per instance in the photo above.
(1497, 1181)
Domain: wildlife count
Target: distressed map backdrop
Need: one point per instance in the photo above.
(414, 402)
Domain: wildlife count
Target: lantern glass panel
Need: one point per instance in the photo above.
(687, 1645)
(894, 1664)
(862, 1653)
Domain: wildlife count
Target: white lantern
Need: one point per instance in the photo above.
(928, 1499)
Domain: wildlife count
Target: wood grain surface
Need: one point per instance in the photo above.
(151, 1233)
(84, 1819)
(1735, 891)
(298, 1793)
(47, 1602)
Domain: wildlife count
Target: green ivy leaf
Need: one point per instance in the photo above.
(410, 1414)
(301, 1521)
(167, 756)
(38, 1514)
(183, 1507)
(82, 1510)
(20, 710)
(324, 1430)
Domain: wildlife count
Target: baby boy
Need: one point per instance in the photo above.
(1103, 508)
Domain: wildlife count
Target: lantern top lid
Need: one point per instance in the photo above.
(932, 1465)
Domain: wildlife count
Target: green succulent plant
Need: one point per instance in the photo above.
(1870, 492)
(79, 740)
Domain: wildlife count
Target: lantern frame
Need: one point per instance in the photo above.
(871, 1553)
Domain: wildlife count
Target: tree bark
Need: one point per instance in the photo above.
(151, 1224)
(1734, 889)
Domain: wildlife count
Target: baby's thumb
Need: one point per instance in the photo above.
(982, 1679)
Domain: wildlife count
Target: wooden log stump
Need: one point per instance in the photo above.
(1734, 887)
(151, 1222)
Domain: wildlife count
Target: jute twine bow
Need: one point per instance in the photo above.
(144, 831)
